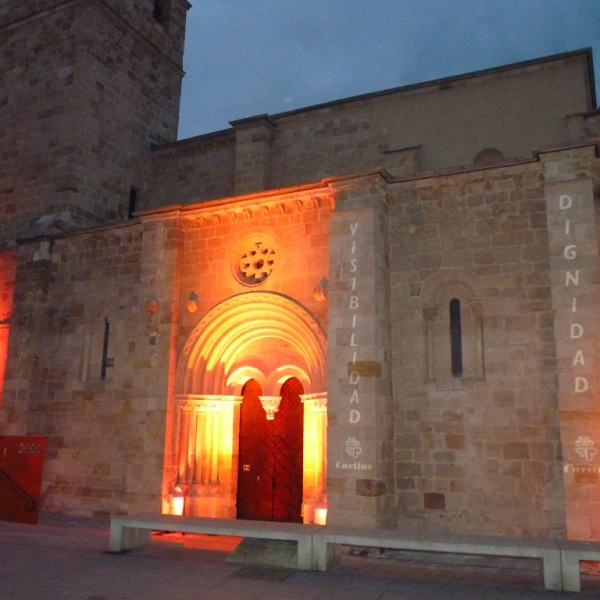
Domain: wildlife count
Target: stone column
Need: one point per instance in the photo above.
(576, 302)
(214, 463)
(252, 153)
(320, 408)
(360, 488)
(200, 443)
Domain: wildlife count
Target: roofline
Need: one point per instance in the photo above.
(203, 137)
(592, 76)
(586, 52)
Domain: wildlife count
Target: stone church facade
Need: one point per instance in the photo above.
(385, 306)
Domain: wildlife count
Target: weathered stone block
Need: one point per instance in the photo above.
(365, 368)
(336, 485)
(412, 441)
(370, 487)
(434, 501)
(515, 451)
(406, 469)
(455, 442)
(504, 398)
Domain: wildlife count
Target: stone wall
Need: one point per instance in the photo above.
(83, 98)
(105, 416)
(110, 417)
(478, 452)
(415, 129)
(297, 224)
(233, 320)
(168, 32)
(460, 298)
(449, 121)
(198, 169)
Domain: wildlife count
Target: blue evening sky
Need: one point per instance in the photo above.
(249, 57)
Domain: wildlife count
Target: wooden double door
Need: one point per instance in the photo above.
(270, 472)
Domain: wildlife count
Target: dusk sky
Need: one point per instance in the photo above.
(249, 57)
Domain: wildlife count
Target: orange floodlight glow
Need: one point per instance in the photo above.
(320, 516)
(262, 336)
(178, 501)
(8, 265)
(224, 341)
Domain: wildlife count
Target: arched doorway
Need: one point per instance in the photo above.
(259, 359)
(270, 466)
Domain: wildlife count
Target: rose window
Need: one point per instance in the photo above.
(257, 262)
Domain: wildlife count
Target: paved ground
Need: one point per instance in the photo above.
(64, 559)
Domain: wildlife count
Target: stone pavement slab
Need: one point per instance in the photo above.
(64, 558)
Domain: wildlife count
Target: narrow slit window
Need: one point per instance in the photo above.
(132, 202)
(104, 363)
(456, 355)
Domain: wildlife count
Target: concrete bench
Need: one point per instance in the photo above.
(327, 542)
(571, 552)
(132, 531)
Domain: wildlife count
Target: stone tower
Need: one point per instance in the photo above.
(87, 87)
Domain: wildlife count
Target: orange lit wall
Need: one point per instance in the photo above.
(7, 280)
(237, 324)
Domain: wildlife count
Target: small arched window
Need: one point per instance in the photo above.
(488, 156)
(454, 336)
(456, 356)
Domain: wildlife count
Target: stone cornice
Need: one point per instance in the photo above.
(244, 208)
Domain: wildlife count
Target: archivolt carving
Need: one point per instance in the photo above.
(239, 377)
(211, 351)
(279, 376)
